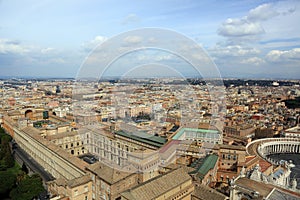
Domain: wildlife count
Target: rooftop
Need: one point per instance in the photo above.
(144, 138)
(108, 174)
(202, 166)
(204, 193)
(195, 130)
(76, 162)
(158, 186)
(231, 147)
(262, 188)
(295, 129)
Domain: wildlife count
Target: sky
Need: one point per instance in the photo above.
(243, 38)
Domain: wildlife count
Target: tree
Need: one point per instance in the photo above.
(6, 159)
(28, 188)
(9, 159)
(7, 182)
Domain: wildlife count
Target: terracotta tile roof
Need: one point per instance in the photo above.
(264, 165)
(249, 158)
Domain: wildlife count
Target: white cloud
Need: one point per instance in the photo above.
(47, 50)
(292, 55)
(253, 61)
(233, 50)
(239, 28)
(262, 12)
(257, 22)
(133, 39)
(12, 46)
(90, 45)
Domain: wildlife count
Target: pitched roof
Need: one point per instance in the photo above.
(203, 192)
(264, 189)
(158, 186)
(108, 174)
(204, 165)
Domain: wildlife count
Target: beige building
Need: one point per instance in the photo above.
(176, 184)
(109, 183)
(75, 189)
(70, 141)
(231, 160)
(69, 171)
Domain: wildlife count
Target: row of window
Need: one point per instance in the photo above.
(72, 145)
(229, 156)
(179, 196)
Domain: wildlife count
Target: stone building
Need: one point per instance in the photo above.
(75, 189)
(69, 171)
(203, 192)
(231, 160)
(205, 170)
(109, 183)
(176, 184)
(70, 141)
(244, 188)
(293, 132)
(199, 135)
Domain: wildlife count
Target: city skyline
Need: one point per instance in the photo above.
(245, 39)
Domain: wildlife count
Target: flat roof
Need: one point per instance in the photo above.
(144, 138)
(196, 130)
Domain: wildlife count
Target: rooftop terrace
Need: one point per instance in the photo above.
(204, 132)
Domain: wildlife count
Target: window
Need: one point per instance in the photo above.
(75, 192)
